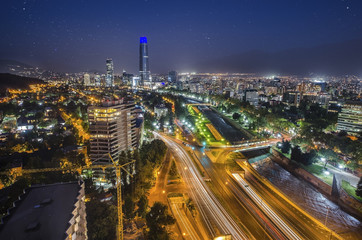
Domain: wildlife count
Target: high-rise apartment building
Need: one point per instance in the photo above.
(97, 80)
(109, 75)
(350, 119)
(251, 96)
(112, 129)
(86, 78)
(144, 68)
(172, 76)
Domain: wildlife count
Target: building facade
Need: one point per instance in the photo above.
(350, 118)
(144, 67)
(109, 75)
(172, 76)
(112, 127)
(251, 96)
(97, 80)
(86, 78)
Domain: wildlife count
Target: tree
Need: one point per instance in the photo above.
(173, 171)
(296, 154)
(191, 206)
(101, 220)
(157, 220)
(359, 188)
(308, 158)
(285, 146)
(236, 116)
(128, 208)
(142, 205)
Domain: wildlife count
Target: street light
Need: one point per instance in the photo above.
(325, 161)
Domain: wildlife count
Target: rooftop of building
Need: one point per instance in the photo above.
(42, 213)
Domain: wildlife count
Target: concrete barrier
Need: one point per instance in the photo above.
(350, 203)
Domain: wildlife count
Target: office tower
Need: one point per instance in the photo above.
(127, 78)
(87, 79)
(350, 119)
(109, 76)
(251, 96)
(180, 85)
(292, 98)
(112, 130)
(97, 80)
(172, 76)
(321, 84)
(144, 68)
(135, 81)
(54, 211)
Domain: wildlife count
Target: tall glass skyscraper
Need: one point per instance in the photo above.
(109, 75)
(144, 68)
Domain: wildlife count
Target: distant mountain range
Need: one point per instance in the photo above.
(335, 59)
(330, 59)
(8, 80)
(8, 66)
(19, 68)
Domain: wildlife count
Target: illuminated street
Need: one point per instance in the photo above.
(266, 209)
(209, 206)
(181, 120)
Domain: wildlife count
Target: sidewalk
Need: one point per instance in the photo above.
(340, 174)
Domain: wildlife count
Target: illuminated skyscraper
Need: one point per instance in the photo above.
(144, 68)
(109, 76)
(172, 76)
(112, 126)
(87, 79)
(350, 118)
(97, 80)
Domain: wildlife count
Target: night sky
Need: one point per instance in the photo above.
(71, 35)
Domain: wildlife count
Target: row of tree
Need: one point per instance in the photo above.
(135, 191)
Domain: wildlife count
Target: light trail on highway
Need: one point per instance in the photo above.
(266, 209)
(190, 232)
(210, 208)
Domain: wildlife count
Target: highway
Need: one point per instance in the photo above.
(238, 202)
(266, 209)
(306, 225)
(187, 229)
(210, 208)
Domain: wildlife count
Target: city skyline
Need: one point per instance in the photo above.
(181, 120)
(183, 36)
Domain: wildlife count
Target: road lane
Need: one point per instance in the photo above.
(211, 209)
(187, 229)
(266, 209)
